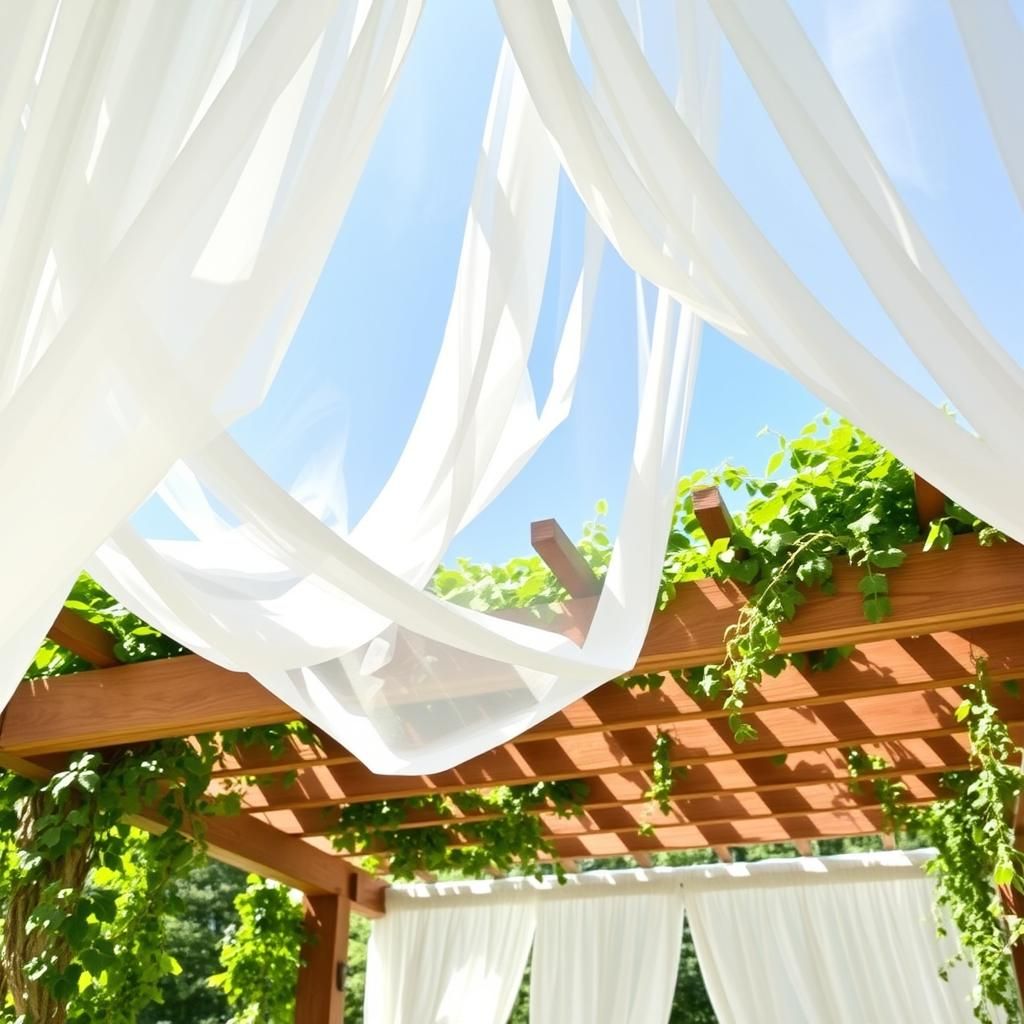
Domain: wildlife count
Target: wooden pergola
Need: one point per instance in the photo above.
(895, 696)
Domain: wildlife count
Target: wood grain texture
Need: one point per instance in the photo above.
(782, 733)
(319, 999)
(84, 638)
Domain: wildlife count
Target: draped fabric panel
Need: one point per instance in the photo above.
(173, 178)
(624, 163)
(798, 941)
(607, 952)
(432, 962)
(844, 939)
(337, 622)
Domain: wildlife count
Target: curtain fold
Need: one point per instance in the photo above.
(338, 623)
(441, 964)
(173, 178)
(608, 954)
(624, 166)
(841, 939)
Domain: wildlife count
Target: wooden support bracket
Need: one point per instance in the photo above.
(930, 501)
(563, 558)
(712, 514)
(723, 853)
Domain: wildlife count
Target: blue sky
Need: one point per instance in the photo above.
(358, 366)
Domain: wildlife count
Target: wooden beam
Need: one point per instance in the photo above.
(563, 558)
(699, 810)
(84, 638)
(964, 588)
(782, 733)
(144, 701)
(252, 845)
(320, 991)
(930, 501)
(724, 854)
(803, 847)
(880, 668)
(711, 512)
(643, 859)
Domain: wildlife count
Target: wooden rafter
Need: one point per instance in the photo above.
(896, 697)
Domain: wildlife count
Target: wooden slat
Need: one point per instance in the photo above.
(912, 665)
(319, 993)
(724, 854)
(783, 732)
(84, 638)
(764, 775)
(963, 588)
(711, 512)
(699, 810)
(563, 558)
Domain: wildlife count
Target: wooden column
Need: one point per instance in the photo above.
(320, 992)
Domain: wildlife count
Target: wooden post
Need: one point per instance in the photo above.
(320, 992)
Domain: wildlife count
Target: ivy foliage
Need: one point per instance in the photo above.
(475, 831)
(978, 868)
(260, 955)
(84, 894)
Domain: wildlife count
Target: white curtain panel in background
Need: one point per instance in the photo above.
(844, 939)
(447, 961)
(607, 949)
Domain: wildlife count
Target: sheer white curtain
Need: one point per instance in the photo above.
(337, 622)
(842, 939)
(173, 176)
(447, 961)
(607, 949)
(626, 159)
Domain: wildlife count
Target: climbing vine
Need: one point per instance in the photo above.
(84, 894)
(475, 831)
(260, 955)
(977, 863)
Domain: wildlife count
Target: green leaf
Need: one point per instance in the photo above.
(963, 710)
(877, 608)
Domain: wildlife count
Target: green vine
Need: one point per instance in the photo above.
(977, 861)
(497, 830)
(260, 955)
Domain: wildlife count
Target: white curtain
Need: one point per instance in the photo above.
(446, 961)
(336, 622)
(627, 160)
(607, 950)
(172, 177)
(842, 939)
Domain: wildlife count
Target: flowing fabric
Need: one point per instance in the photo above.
(624, 167)
(173, 178)
(337, 623)
(433, 963)
(607, 951)
(841, 939)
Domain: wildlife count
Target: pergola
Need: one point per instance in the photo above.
(895, 696)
